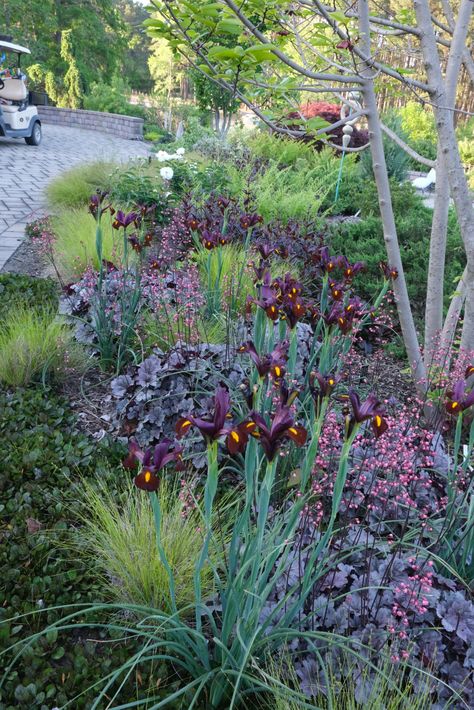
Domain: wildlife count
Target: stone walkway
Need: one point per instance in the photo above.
(25, 171)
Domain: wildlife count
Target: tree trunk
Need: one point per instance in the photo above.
(439, 230)
(435, 283)
(452, 317)
(410, 337)
(447, 137)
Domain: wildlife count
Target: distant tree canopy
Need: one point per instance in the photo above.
(138, 50)
(104, 37)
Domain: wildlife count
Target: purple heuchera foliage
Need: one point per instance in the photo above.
(457, 615)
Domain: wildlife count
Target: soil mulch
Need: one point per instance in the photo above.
(27, 260)
(91, 399)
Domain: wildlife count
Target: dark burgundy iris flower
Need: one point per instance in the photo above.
(326, 384)
(267, 300)
(340, 317)
(210, 240)
(355, 307)
(216, 426)
(345, 323)
(287, 396)
(282, 251)
(370, 409)
(135, 243)
(259, 270)
(213, 427)
(192, 223)
(272, 363)
(152, 461)
(389, 272)
(223, 203)
(287, 287)
(326, 262)
(237, 437)
(337, 291)
(293, 311)
(335, 313)
(458, 399)
(97, 206)
(265, 251)
(250, 220)
(282, 427)
(124, 220)
(351, 270)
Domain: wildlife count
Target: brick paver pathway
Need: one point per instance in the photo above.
(25, 171)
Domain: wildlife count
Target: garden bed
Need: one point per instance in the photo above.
(221, 486)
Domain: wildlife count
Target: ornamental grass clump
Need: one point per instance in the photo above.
(118, 532)
(35, 346)
(72, 189)
(71, 243)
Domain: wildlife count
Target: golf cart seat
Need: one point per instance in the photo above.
(9, 108)
(14, 90)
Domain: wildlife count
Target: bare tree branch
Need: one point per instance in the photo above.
(283, 57)
(369, 61)
(412, 153)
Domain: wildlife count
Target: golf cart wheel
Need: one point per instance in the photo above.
(35, 138)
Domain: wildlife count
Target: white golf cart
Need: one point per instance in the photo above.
(18, 118)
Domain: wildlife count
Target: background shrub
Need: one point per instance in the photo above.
(136, 184)
(418, 124)
(112, 98)
(395, 157)
(363, 241)
(285, 193)
(417, 121)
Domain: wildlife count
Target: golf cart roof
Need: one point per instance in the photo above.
(11, 47)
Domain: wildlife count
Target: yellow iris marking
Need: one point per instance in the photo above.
(277, 371)
(293, 430)
(454, 405)
(147, 476)
(331, 382)
(185, 424)
(250, 425)
(235, 436)
(378, 421)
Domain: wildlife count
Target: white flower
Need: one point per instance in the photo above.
(162, 155)
(166, 173)
(180, 151)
